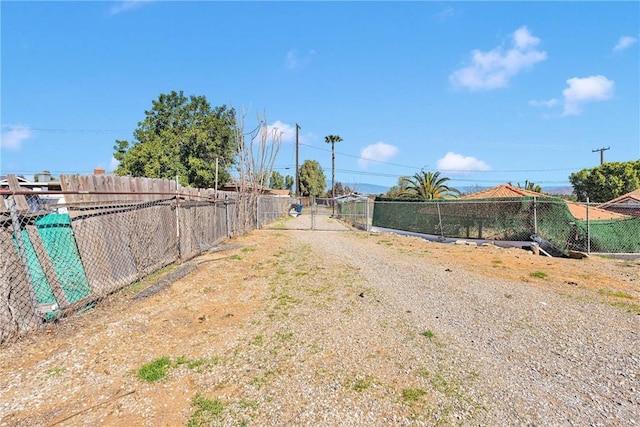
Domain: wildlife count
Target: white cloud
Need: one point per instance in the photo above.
(624, 42)
(124, 6)
(293, 61)
(583, 90)
(379, 151)
(13, 138)
(494, 69)
(453, 162)
(287, 132)
(544, 103)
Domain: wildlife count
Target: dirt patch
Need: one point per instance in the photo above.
(593, 273)
(82, 370)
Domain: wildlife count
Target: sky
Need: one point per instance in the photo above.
(484, 92)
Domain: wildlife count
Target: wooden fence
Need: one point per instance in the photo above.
(106, 233)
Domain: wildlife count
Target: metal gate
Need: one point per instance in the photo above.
(322, 214)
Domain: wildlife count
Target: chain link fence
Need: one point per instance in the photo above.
(356, 211)
(560, 225)
(58, 258)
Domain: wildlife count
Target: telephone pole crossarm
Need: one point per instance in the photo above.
(601, 150)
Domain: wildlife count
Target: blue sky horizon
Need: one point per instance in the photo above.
(484, 92)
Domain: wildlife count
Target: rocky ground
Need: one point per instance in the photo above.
(349, 328)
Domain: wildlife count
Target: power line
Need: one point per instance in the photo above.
(445, 170)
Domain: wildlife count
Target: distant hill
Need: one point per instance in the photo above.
(364, 188)
(564, 191)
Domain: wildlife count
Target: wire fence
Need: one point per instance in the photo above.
(58, 258)
(356, 211)
(561, 226)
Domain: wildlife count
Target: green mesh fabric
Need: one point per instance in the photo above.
(503, 219)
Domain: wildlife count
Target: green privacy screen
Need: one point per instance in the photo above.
(56, 235)
(502, 219)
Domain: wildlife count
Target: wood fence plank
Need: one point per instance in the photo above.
(21, 200)
(66, 183)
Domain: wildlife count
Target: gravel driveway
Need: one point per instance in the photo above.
(355, 330)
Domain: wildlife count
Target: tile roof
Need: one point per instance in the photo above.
(578, 210)
(504, 190)
(632, 196)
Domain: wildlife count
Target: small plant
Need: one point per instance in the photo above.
(412, 395)
(247, 250)
(191, 364)
(361, 384)
(207, 411)
(55, 371)
(429, 334)
(617, 294)
(285, 336)
(155, 370)
(539, 274)
(629, 306)
(257, 340)
(235, 257)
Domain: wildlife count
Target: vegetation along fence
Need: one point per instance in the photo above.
(61, 251)
(565, 226)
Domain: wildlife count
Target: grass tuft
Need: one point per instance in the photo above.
(617, 294)
(412, 395)
(207, 411)
(428, 333)
(155, 370)
(539, 274)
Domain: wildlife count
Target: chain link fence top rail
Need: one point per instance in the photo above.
(511, 219)
(58, 258)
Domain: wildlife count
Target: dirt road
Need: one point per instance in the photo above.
(291, 327)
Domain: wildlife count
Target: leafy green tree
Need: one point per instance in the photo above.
(312, 179)
(399, 189)
(428, 185)
(182, 137)
(606, 182)
(289, 182)
(276, 181)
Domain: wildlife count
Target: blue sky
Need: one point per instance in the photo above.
(485, 92)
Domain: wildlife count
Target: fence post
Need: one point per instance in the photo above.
(178, 237)
(226, 216)
(258, 199)
(366, 218)
(440, 220)
(22, 253)
(535, 215)
(314, 208)
(588, 230)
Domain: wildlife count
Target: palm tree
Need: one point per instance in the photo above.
(332, 139)
(428, 185)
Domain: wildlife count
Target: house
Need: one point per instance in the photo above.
(578, 210)
(627, 204)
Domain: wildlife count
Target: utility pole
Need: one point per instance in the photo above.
(297, 169)
(601, 150)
